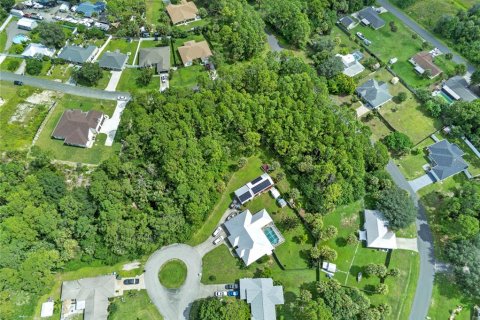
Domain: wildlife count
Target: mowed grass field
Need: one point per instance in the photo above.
(128, 82)
(59, 151)
(154, 8)
(173, 274)
(134, 305)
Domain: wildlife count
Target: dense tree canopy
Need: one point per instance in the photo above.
(51, 34)
(397, 207)
(224, 309)
(464, 117)
(89, 74)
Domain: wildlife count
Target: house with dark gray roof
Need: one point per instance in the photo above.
(262, 296)
(374, 93)
(77, 54)
(158, 57)
(446, 159)
(78, 128)
(370, 17)
(347, 22)
(113, 60)
(253, 188)
(457, 89)
(88, 9)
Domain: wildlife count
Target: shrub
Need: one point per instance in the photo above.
(33, 67)
(381, 288)
(352, 239)
(13, 65)
(402, 96)
(449, 56)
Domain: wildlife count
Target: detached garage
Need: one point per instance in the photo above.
(27, 24)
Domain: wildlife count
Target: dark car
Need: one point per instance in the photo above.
(231, 286)
(18, 83)
(131, 281)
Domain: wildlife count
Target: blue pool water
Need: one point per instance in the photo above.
(357, 55)
(19, 38)
(446, 97)
(271, 235)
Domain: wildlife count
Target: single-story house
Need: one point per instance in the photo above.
(457, 89)
(347, 22)
(377, 233)
(262, 296)
(37, 50)
(159, 57)
(88, 9)
(374, 93)
(26, 24)
(192, 50)
(253, 188)
(77, 54)
(370, 17)
(88, 296)
(423, 61)
(47, 309)
(113, 60)
(252, 236)
(183, 12)
(78, 128)
(351, 67)
(446, 159)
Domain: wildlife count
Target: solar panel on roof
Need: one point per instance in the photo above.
(256, 180)
(261, 186)
(244, 197)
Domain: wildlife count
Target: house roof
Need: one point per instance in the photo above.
(424, 59)
(459, 86)
(88, 8)
(192, 50)
(254, 187)
(94, 291)
(74, 126)
(25, 22)
(159, 56)
(351, 67)
(47, 309)
(113, 60)
(262, 296)
(182, 12)
(372, 17)
(375, 93)
(246, 234)
(34, 49)
(446, 159)
(346, 21)
(77, 54)
(378, 235)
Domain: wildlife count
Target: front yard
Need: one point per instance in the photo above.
(128, 81)
(133, 305)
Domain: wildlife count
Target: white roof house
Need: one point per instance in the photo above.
(262, 296)
(351, 67)
(378, 234)
(26, 24)
(36, 49)
(47, 309)
(252, 236)
(253, 188)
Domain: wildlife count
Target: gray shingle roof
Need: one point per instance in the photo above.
(77, 54)
(446, 159)
(262, 296)
(157, 56)
(346, 21)
(375, 93)
(459, 86)
(113, 60)
(372, 17)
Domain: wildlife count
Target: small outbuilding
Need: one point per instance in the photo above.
(275, 193)
(26, 24)
(329, 267)
(395, 80)
(281, 203)
(47, 309)
(347, 22)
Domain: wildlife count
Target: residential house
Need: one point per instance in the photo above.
(377, 234)
(158, 57)
(262, 296)
(37, 50)
(457, 89)
(183, 12)
(253, 236)
(26, 24)
(253, 188)
(77, 54)
(374, 93)
(370, 17)
(351, 67)
(423, 61)
(446, 159)
(347, 22)
(192, 50)
(113, 60)
(88, 296)
(78, 128)
(89, 9)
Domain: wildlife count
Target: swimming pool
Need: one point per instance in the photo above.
(357, 55)
(446, 97)
(271, 235)
(19, 38)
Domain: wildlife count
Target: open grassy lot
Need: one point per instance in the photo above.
(128, 81)
(59, 151)
(186, 77)
(411, 165)
(3, 40)
(154, 8)
(446, 297)
(173, 274)
(378, 128)
(123, 46)
(134, 305)
(59, 72)
(17, 135)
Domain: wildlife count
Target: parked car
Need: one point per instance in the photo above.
(232, 293)
(18, 83)
(121, 98)
(367, 42)
(164, 78)
(231, 286)
(131, 281)
(220, 293)
(36, 17)
(217, 241)
(217, 231)
(231, 215)
(360, 35)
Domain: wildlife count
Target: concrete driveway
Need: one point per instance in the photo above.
(423, 181)
(407, 244)
(110, 125)
(113, 82)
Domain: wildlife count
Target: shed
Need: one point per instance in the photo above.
(393, 60)
(394, 80)
(26, 24)
(275, 193)
(47, 309)
(281, 202)
(328, 266)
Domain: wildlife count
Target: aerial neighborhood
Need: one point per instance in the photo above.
(240, 160)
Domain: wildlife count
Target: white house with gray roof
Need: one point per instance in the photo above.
(446, 159)
(351, 67)
(374, 93)
(113, 61)
(457, 89)
(262, 296)
(370, 17)
(377, 234)
(253, 188)
(77, 54)
(347, 22)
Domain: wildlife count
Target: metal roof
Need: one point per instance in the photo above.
(375, 93)
(372, 17)
(262, 296)
(446, 159)
(378, 235)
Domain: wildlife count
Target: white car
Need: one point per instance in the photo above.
(164, 78)
(216, 232)
(220, 293)
(360, 35)
(218, 240)
(121, 98)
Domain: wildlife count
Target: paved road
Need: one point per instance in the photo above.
(62, 87)
(423, 294)
(424, 33)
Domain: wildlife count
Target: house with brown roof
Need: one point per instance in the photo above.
(183, 12)
(192, 50)
(423, 61)
(79, 128)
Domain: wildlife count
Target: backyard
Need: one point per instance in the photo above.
(187, 77)
(154, 8)
(124, 46)
(133, 305)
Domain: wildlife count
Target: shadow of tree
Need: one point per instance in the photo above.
(341, 242)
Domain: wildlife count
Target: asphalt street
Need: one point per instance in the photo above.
(62, 87)
(423, 293)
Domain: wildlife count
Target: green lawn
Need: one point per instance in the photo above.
(378, 128)
(4, 64)
(186, 77)
(128, 82)
(154, 8)
(173, 274)
(103, 82)
(411, 165)
(3, 40)
(134, 305)
(18, 135)
(123, 46)
(191, 25)
(59, 151)
(60, 72)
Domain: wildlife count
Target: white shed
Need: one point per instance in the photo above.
(47, 309)
(275, 193)
(26, 24)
